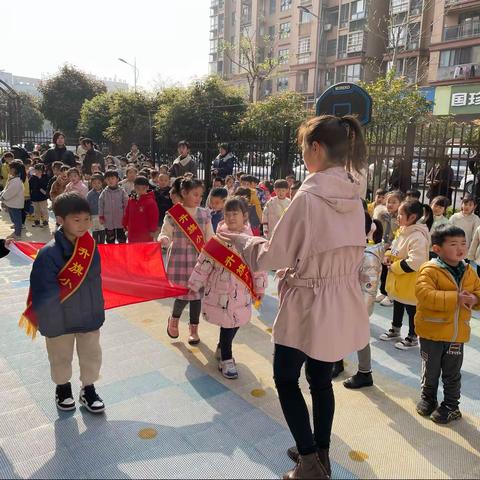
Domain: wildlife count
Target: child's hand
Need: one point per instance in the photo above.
(467, 300)
(387, 261)
(8, 242)
(164, 241)
(101, 220)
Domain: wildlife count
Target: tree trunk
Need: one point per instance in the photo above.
(251, 87)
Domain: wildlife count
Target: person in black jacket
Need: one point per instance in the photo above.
(38, 194)
(223, 165)
(59, 153)
(91, 156)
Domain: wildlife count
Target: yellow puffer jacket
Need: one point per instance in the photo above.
(439, 316)
(410, 250)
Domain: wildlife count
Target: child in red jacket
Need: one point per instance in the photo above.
(141, 215)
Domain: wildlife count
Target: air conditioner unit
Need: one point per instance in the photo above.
(327, 27)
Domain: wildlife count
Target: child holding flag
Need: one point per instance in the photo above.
(230, 286)
(186, 228)
(66, 302)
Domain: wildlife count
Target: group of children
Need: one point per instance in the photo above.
(419, 260)
(402, 235)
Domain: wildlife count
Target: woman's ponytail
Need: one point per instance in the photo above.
(428, 216)
(357, 151)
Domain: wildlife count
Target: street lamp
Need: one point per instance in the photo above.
(135, 71)
(317, 49)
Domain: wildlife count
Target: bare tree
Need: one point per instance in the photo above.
(255, 58)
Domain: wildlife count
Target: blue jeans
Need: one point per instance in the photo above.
(16, 217)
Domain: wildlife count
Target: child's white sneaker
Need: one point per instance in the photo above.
(380, 297)
(386, 302)
(228, 369)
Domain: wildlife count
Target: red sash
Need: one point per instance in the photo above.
(188, 226)
(231, 261)
(70, 278)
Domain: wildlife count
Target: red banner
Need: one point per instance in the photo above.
(131, 273)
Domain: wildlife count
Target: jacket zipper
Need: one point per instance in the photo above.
(457, 310)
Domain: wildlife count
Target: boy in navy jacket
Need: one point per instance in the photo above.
(68, 304)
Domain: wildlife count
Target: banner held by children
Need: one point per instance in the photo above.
(131, 273)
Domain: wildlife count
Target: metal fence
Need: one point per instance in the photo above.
(404, 157)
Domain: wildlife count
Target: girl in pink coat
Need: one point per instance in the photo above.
(319, 243)
(227, 302)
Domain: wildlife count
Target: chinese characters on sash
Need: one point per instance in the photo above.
(188, 225)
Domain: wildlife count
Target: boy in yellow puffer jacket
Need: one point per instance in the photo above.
(447, 289)
(409, 251)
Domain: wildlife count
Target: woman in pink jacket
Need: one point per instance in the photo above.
(319, 244)
(227, 301)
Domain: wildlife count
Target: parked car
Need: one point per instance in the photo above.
(466, 184)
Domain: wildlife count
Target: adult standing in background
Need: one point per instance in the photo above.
(58, 153)
(92, 155)
(184, 163)
(224, 163)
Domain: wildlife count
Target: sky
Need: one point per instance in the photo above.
(169, 38)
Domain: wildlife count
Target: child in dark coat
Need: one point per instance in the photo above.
(162, 196)
(39, 195)
(78, 318)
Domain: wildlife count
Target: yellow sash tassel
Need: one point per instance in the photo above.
(29, 327)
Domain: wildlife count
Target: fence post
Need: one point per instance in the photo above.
(406, 176)
(206, 161)
(284, 151)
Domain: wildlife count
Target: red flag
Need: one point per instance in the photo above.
(131, 272)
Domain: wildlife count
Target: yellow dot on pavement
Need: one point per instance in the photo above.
(257, 393)
(147, 433)
(194, 350)
(147, 320)
(269, 330)
(358, 456)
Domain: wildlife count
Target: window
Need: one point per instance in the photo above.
(304, 50)
(214, 22)
(221, 23)
(457, 56)
(416, 7)
(267, 88)
(329, 77)
(282, 84)
(357, 10)
(283, 56)
(331, 47)
(398, 6)
(285, 30)
(344, 15)
(305, 17)
(355, 42)
(349, 73)
(332, 16)
(273, 6)
(397, 36)
(414, 36)
(271, 32)
(342, 46)
(302, 83)
(285, 5)
(214, 46)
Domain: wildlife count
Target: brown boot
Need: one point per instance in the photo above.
(293, 454)
(308, 466)
(193, 339)
(172, 327)
(325, 459)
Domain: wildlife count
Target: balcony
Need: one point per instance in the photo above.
(464, 71)
(457, 5)
(464, 30)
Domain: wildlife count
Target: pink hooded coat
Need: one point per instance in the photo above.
(321, 241)
(227, 301)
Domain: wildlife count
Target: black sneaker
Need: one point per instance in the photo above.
(444, 415)
(338, 368)
(359, 380)
(45, 223)
(36, 223)
(425, 408)
(90, 400)
(64, 397)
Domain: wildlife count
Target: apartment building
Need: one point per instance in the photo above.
(432, 43)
